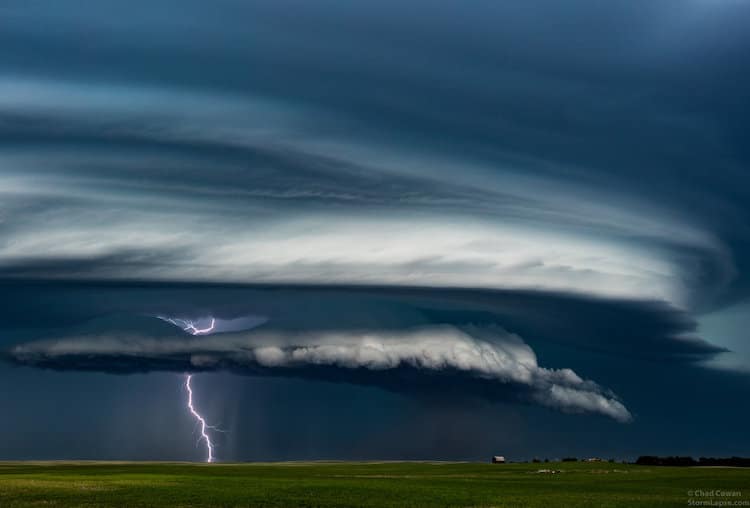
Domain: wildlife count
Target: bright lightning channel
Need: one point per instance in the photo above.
(204, 426)
(192, 328)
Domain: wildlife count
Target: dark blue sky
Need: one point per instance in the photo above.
(426, 231)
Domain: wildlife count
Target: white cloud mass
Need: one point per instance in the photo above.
(241, 188)
(484, 354)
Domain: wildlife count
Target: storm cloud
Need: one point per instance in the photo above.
(458, 355)
(446, 344)
(257, 177)
(470, 199)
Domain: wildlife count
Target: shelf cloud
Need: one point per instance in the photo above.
(466, 358)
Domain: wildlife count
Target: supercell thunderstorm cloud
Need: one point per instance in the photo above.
(504, 226)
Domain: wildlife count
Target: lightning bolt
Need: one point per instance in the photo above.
(201, 420)
(192, 328)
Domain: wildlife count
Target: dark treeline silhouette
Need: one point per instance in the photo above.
(651, 460)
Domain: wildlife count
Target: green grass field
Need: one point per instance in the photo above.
(292, 484)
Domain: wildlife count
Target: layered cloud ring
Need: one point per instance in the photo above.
(242, 188)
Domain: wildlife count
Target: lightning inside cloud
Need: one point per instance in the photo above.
(190, 326)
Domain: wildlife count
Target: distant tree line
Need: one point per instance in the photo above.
(652, 460)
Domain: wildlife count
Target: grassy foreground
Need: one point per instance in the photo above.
(292, 484)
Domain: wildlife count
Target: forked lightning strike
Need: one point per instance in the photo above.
(204, 426)
(192, 328)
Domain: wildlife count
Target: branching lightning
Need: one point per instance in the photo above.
(192, 328)
(201, 420)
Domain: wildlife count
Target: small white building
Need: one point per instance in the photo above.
(498, 459)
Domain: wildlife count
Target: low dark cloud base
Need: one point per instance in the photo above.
(630, 328)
